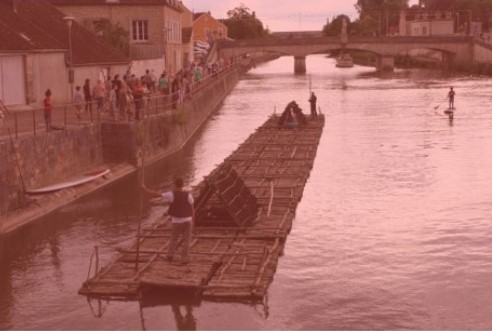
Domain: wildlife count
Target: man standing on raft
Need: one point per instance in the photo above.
(451, 95)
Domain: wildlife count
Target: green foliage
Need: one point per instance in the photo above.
(384, 12)
(114, 34)
(334, 28)
(477, 10)
(243, 24)
(366, 26)
(373, 7)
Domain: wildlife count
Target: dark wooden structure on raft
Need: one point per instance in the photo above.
(245, 209)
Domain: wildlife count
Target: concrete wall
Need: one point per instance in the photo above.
(52, 157)
(482, 53)
(157, 136)
(49, 71)
(431, 28)
(122, 15)
(139, 67)
(45, 159)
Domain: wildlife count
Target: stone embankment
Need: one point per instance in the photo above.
(33, 161)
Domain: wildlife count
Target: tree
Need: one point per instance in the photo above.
(385, 12)
(114, 34)
(243, 24)
(367, 26)
(334, 28)
(469, 10)
(372, 7)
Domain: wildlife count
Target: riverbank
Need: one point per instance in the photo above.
(407, 62)
(47, 158)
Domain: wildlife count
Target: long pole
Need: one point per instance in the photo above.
(139, 229)
(71, 73)
(17, 161)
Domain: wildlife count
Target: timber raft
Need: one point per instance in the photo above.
(244, 213)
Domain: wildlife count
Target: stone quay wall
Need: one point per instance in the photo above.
(48, 158)
(38, 160)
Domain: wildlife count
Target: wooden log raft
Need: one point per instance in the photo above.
(245, 209)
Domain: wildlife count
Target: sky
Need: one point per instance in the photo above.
(283, 15)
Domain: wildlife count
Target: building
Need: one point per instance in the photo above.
(187, 34)
(34, 54)
(208, 29)
(154, 28)
(426, 23)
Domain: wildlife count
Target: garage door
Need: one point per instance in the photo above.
(12, 80)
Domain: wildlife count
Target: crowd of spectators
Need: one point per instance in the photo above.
(127, 98)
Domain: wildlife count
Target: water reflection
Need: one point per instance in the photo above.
(393, 230)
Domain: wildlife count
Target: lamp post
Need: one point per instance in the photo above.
(69, 20)
(166, 53)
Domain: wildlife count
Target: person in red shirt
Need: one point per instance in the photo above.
(48, 107)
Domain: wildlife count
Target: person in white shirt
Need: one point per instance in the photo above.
(182, 212)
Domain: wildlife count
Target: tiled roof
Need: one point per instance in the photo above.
(197, 15)
(38, 25)
(170, 3)
(17, 32)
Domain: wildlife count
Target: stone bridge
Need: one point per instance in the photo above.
(455, 49)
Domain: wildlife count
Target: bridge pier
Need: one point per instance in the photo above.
(299, 65)
(385, 63)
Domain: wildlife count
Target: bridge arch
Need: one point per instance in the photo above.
(454, 48)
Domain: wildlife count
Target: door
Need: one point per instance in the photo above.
(12, 80)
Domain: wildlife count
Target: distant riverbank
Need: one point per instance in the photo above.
(403, 61)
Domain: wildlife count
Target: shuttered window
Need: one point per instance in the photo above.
(140, 30)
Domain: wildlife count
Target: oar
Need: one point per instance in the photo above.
(439, 105)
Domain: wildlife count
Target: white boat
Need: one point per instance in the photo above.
(345, 61)
(87, 177)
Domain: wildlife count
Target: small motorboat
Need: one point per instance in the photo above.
(344, 60)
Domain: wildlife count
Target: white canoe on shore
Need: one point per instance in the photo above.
(87, 177)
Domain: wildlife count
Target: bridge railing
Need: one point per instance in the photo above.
(264, 42)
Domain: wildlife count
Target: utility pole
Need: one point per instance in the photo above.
(387, 17)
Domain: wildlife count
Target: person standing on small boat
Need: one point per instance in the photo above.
(451, 95)
(182, 212)
(312, 100)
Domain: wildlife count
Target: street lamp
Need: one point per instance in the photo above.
(69, 20)
(166, 46)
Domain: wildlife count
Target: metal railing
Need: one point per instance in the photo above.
(62, 116)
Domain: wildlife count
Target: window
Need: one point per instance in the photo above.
(424, 31)
(140, 30)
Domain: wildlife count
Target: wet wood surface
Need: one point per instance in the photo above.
(237, 259)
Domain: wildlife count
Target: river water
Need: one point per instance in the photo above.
(394, 229)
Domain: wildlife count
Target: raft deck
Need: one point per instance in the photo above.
(227, 261)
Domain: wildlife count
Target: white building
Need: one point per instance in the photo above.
(428, 24)
(34, 54)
